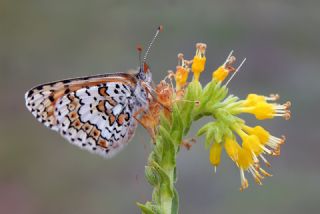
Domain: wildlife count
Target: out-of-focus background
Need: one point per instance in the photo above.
(42, 40)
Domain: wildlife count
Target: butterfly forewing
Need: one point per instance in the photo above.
(94, 113)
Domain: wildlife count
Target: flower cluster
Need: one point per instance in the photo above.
(256, 142)
(178, 105)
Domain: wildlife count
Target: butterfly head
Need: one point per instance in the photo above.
(144, 73)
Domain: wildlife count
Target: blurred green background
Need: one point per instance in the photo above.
(43, 40)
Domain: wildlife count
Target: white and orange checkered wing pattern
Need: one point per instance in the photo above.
(93, 113)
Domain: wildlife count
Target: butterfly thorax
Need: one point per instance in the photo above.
(143, 86)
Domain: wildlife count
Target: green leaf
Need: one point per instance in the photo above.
(164, 122)
(175, 203)
(156, 195)
(168, 155)
(165, 184)
(146, 209)
(177, 124)
(175, 178)
(157, 150)
(151, 175)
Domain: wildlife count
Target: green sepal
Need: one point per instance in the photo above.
(204, 128)
(208, 89)
(219, 132)
(206, 95)
(210, 136)
(225, 117)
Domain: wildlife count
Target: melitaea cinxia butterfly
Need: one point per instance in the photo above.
(97, 113)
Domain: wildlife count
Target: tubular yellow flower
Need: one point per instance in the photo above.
(257, 105)
(244, 159)
(215, 154)
(252, 144)
(220, 74)
(266, 139)
(223, 71)
(253, 99)
(181, 77)
(199, 60)
(232, 148)
(182, 72)
(260, 132)
(246, 163)
(247, 155)
(264, 110)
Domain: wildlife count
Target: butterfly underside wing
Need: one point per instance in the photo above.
(93, 113)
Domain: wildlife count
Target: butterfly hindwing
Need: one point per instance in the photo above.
(95, 114)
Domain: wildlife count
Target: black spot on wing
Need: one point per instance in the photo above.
(39, 87)
(30, 93)
(67, 91)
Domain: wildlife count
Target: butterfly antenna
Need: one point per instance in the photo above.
(139, 50)
(236, 71)
(230, 54)
(151, 43)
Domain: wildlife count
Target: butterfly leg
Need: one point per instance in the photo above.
(144, 119)
(155, 95)
(187, 143)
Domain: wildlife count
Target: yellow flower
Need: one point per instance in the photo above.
(182, 72)
(258, 106)
(252, 144)
(223, 71)
(220, 74)
(181, 77)
(199, 60)
(266, 139)
(243, 159)
(253, 99)
(215, 154)
(232, 148)
(256, 142)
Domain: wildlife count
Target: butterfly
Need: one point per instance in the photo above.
(96, 113)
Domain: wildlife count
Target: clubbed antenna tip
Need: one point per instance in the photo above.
(159, 29)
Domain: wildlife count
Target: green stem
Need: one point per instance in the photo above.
(167, 199)
(160, 171)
